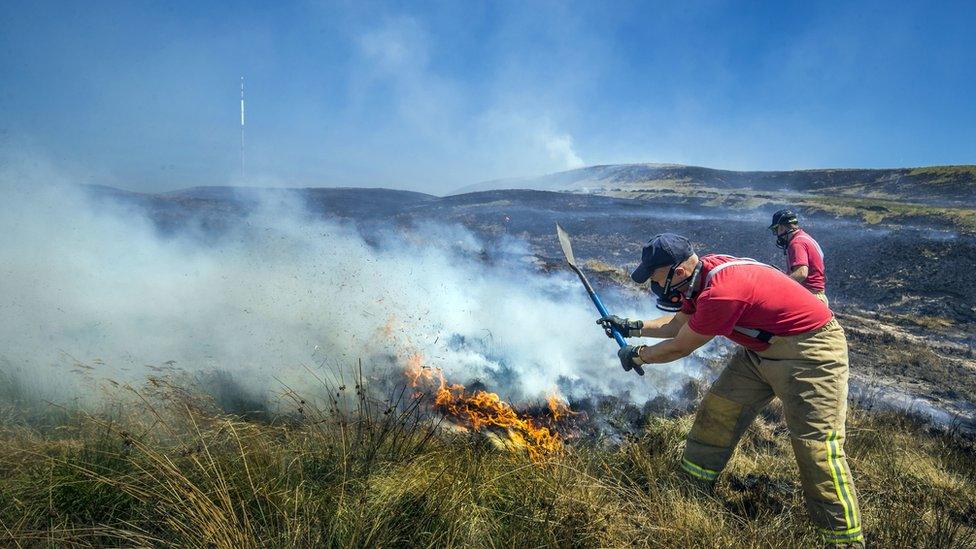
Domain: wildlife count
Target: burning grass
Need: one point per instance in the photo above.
(167, 466)
(481, 409)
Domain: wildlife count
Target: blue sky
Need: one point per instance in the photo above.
(432, 96)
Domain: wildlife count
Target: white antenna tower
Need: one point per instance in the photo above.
(242, 127)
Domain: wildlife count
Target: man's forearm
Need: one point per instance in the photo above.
(663, 327)
(665, 351)
(669, 350)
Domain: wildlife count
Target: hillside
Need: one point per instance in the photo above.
(936, 185)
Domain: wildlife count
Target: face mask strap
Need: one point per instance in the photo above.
(667, 281)
(693, 281)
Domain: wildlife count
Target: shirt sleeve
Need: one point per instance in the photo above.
(716, 315)
(798, 254)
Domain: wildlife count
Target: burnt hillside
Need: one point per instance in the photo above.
(942, 185)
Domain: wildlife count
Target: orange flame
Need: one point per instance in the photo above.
(558, 405)
(480, 409)
(415, 370)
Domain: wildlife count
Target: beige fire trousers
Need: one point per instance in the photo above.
(808, 373)
(822, 297)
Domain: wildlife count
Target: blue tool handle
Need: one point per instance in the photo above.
(616, 334)
(603, 312)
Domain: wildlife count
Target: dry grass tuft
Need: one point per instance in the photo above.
(168, 467)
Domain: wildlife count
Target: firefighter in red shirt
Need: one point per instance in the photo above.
(792, 348)
(804, 257)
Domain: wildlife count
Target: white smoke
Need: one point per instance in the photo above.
(97, 284)
(560, 147)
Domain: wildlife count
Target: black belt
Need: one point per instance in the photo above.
(755, 333)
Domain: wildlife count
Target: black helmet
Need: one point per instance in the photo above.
(783, 217)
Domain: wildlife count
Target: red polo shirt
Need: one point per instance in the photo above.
(804, 250)
(752, 296)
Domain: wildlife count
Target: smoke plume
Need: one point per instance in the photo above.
(93, 290)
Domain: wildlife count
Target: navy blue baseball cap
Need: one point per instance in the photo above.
(663, 249)
(783, 217)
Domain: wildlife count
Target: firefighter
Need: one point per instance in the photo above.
(804, 257)
(791, 348)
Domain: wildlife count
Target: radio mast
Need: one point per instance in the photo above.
(242, 127)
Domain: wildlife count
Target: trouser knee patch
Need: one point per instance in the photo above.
(716, 421)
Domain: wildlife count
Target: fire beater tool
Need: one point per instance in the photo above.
(568, 251)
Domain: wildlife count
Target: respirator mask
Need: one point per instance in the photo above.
(783, 240)
(669, 295)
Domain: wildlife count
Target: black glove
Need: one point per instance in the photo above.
(626, 326)
(630, 358)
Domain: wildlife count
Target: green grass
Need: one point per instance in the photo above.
(172, 469)
(873, 210)
(945, 175)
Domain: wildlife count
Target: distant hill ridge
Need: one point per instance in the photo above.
(933, 184)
